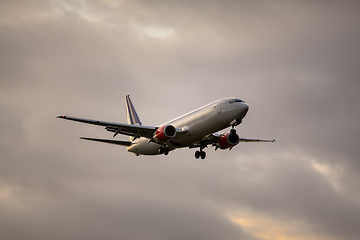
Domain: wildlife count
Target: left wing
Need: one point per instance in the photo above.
(118, 128)
(255, 140)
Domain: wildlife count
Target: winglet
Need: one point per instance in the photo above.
(132, 117)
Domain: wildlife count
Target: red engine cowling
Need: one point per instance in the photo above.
(164, 133)
(228, 140)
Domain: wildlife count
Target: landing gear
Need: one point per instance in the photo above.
(233, 124)
(201, 154)
(197, 154)
(164, 150)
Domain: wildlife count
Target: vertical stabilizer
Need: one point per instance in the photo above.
(132, 117)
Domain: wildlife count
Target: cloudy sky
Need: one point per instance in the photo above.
(296, 63)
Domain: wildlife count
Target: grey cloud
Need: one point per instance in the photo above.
(294, 63)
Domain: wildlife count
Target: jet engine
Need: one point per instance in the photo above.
(164, 133)
(228, 140)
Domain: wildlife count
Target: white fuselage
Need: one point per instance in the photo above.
(199, 123)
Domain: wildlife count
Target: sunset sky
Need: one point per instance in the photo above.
(295, 63)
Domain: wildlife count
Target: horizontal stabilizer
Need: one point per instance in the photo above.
(122, 143)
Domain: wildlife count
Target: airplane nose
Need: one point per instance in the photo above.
(245, 107)
(243, 110)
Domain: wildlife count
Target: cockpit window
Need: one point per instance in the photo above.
(239, 100)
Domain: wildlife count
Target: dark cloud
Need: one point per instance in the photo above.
(295, 64)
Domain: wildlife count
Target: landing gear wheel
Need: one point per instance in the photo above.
(161, 150)
(166, 151)
(197, 154)
(203, 155)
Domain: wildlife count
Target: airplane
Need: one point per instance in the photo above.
(196, 129)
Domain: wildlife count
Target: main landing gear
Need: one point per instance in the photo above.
(201, 154)
(164, 150)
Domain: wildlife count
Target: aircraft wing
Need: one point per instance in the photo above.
(118, 128)
(255, 140)
(213, 139)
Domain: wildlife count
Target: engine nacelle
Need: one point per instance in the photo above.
(228, 140)
(164, 133)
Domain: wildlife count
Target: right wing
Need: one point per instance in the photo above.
(118, 128)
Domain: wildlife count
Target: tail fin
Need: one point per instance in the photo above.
(132, 117)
